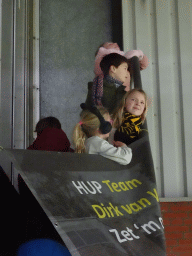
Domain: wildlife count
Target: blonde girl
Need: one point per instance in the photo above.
(90, 136)
(130, 116)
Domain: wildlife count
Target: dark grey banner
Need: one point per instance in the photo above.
(96, 205)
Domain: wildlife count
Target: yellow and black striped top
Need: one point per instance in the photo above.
(130, 129)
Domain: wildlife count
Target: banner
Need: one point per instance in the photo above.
(97, 206)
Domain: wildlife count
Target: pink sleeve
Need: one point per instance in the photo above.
(144, 63)
(143, 60)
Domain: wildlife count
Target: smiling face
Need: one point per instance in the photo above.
(135, 103)
(120, 73)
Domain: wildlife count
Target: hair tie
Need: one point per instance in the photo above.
(80, 123)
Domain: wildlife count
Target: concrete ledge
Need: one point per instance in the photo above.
(175, 199)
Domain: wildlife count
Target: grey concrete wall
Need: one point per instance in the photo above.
(6, 80)
(70, 32)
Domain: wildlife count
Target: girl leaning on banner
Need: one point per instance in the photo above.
(129, 117)
(91, 132)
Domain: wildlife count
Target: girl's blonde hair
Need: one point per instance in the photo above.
(87, 127)
(118, 114)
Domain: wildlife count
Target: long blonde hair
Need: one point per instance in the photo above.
(87, 127)
(118, 114)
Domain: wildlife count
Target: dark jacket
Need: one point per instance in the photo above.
(112, 95)
(130, 130)
(51, 139)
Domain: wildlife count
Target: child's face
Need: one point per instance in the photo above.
(110, 45)
(135, 103)
(120, 73)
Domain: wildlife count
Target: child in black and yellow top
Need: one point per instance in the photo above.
(130, 116)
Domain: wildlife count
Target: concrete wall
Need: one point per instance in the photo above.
(162, 29)
(70, 32)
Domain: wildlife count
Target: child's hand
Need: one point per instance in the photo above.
(119, 144)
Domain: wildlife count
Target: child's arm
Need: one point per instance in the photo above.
(124, 136)
(143, 60)
(120, 154)
(119, 144)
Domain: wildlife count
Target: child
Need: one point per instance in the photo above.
(130, 116)
(115, 69)
(103, 50)
(49, 121)
(90, 136)
(50, 136)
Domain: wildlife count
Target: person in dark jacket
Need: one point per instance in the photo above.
(115, 69)
(50, 136)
